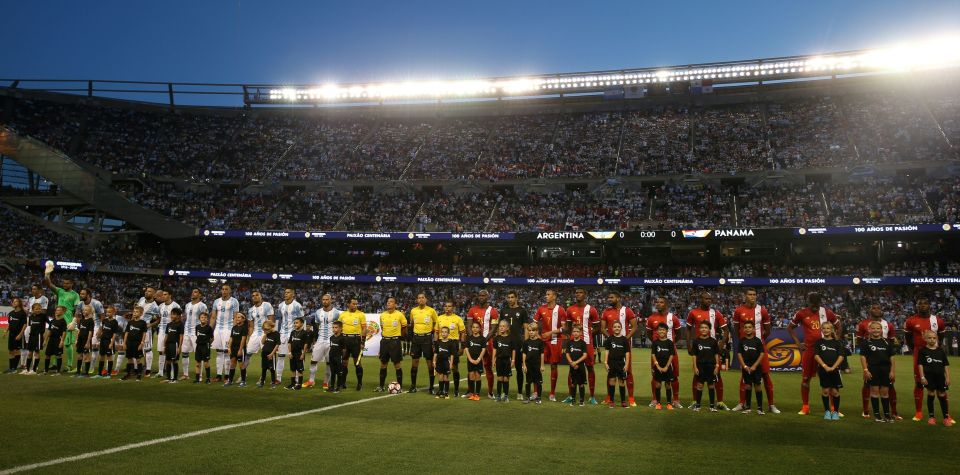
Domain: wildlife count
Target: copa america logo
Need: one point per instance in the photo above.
(783, 356)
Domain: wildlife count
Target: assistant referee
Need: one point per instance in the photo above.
(355, 330)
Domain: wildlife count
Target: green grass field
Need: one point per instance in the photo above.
(46, 418)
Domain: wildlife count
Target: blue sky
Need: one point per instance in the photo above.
(314, 42)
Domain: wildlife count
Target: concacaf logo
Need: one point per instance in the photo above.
(373, 328)
(784, 356)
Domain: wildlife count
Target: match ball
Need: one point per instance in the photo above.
(394, 388)
(48, 266)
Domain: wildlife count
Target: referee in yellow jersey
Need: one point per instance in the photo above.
(458, 333)
(355, 332)
(423, 319)
(393, 326)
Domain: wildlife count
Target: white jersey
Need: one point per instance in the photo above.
(323, 322)
(165, 315)
(150, 310)
(225, 309)
(42, 300)
(98, 311)
(289, 312)
(191, 317)
(259, 314)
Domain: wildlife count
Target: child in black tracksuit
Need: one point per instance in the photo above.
(576, 354)
(338, 354)
(299, 338)
(268, 354)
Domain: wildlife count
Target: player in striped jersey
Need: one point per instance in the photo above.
(165, 307)
(322, 328)
(258, 313)
(289, 310)
(224, 308)
(628, 327)
(36, 297)
(87, 300)
(151, 316)
(191, 317)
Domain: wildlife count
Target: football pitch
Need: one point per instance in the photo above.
(150, 427)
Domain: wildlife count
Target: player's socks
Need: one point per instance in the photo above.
(109, 367)
(836, 403)
(719, 388)
(582, 394)
(553, 380)
(609, 392)
(918, 398)
(100, 367)
(526, 391)
(13, 362)
(657, 395)
(46, 365)
(930, 399)
(499, 389)
(885, 402)
(506, 388)
(805, 394)
(489, 375)
(86, 368)
(743, 392)
(875, 402)
(676, 388)
(243, 373)
(570, 386)
(623, 394)
(867, 400)
(185, 364)
(359, 375)
(79, 366)
(399, 374)
(519, 378)
(712, 392)
(163, 362)
(697, 396)
(759, 395)
(36, 363)
(654, 390)
(207, 370)
(893, 401)
(592, 379)
(413, 377)
(432, 376)
(176, 371)
(383, 376)
(630, 384)
(313, 372)
(944, 406)
(327, 374)
(456, 383)
(768, 386)
(669, 395)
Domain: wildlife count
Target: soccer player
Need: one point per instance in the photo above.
(751, 355)
(191, 317)
(488, 317)
(616, 360)
(914, 327)
(663, 357)
(290, 310)
(476, 349)
(504, 353)
(87, 300)
(36, 325)
(299, 340)
(533, 363)
(338, 358)
(458, 332)
(879, 369)
(270, 343)
(935, 376)
(811, 318)
(221, 319)
(55, 340)
(751, 311)
(84, 342)
(237, 345)
(443, 350)
(551, 318)
(706, 364)
(173, 344)
(205, 336)
(151, 316)
(355, 337)
(16, 322)
(423, 318)
(518, 318)
(718, 324)
(322, 328)
(887, 332)
(663, 316)
(258, 313)
(393, 326)
(166, 307)
(108, 331)
(68, 298)
(134, 338)
(828, 354)
(36, 297)
(583, 314)
(615, 312)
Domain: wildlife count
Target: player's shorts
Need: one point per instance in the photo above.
(618, 370)
(475, 368)
(133, 353)
(162, 340)
(221, 339)
(296, 364)
(202, 353)
(936, 382)
(54, 350)
(504, 368)
(578, 375)
(284, 347)
(390, 349)
(534, 375)
(422, 346)
(443, 367)
(13, 344)
(35, 342)
(707, 374)
(353, 346)
(552, 352)
(189, 344)
(830, 379)
(321, 350)
(105, 349)
(236, 352)
(82, 347)
(664, 377)
(755, 377)
(171, 351)
(808, 364)
(880, 375)
(254, 343)
(148, 342)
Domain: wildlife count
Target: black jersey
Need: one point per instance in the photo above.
(108, 329)
(136, 329)
(174, 332)
(576, 349)
(445, 349)
(517, 317)
(475, 345)
(16, 321)
(86, 329)
(933, 361)
(877, 352)
(662, 350)
(236, 335)
(750, 349)
(204, 335)
(533, 349)
(38, 322)
(298, 340)
(504, 346)
(57, 328)
(270, 342)
(706, 350)
(828, 350)
(338, 343)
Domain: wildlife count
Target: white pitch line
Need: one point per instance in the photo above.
(122, 448)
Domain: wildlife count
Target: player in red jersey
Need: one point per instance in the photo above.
(628, 322)
(718, 325)
(583, 314)
(913, 329)
(889, 333)
(487, 316)
(665, 316)
(810, 318)
(750, 311)
(551, 318)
